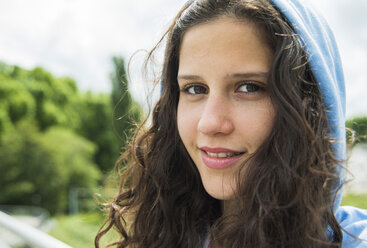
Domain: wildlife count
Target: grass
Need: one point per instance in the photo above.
(356, 200)
(79, 230)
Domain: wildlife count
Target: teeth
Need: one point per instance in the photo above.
(222, 154)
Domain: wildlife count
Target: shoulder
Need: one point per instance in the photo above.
(354, 223)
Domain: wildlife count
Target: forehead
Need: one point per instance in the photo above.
(224, 44)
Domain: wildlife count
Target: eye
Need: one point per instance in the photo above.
(195, 89)
(249, 87)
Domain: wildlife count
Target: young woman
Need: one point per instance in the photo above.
(247, 142)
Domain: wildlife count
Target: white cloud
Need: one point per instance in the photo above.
(349, 23)
(77, 38)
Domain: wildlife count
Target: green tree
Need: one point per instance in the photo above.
(42, 157)
(54, 138)
(358, 125)
(16, 102)
(5, 123)
(20, 103)
(126, 111)
(40, 168)
(96, 126)
(55, 98)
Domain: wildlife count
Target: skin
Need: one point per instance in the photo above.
(223, 101)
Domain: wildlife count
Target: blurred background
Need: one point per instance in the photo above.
(68, 105)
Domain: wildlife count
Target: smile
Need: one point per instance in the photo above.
(222, 154)
(218, 158)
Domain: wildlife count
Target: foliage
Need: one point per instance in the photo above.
(358, 125)
(54, 138)
(17, 102)
(126, 112)
(54, 98)
(96, 125)
(40, 168)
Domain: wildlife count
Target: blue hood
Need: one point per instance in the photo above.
(325, 62)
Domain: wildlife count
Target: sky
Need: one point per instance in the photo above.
(77, 38)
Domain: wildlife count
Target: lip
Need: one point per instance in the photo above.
(217, 149)
(219, 163)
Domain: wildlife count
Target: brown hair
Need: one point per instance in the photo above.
(287, 197)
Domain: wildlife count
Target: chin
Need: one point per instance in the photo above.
(220, 194)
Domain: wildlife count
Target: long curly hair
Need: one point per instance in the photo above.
(285, 196)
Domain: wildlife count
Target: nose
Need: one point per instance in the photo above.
(216, 117)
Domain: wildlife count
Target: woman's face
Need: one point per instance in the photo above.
(224, 110)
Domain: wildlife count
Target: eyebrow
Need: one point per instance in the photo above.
(232, 75)
(188, 77)
(248, 75)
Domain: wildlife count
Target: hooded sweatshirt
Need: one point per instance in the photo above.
(322, 52)
(324, 59)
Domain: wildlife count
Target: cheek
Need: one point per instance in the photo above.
(257, 124)
(267, 123)
(185, 123)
